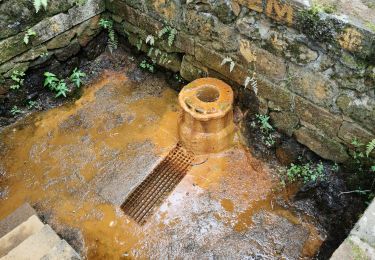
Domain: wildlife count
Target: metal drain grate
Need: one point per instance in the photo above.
(155, 188)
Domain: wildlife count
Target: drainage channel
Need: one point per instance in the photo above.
(142, 202)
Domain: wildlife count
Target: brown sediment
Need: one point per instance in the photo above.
(75, 161)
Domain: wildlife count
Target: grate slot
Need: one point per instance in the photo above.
(148, 195)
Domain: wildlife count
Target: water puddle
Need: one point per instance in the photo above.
(77, 164)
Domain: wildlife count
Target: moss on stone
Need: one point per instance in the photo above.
(311, 24)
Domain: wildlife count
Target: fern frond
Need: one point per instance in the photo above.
(226, 60)
(231, 66)
(39, 3)
(150, 40)
(370, 147)
(171, 37)
(163, 31)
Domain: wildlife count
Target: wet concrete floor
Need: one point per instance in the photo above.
(77, 163)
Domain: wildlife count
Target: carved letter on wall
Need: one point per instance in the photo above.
(351, 39)
(279, 11)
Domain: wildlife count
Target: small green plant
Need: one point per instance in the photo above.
(44, 54)
(170, 33)
(15, 111)
(32, 104)
(39, 3)
(112, 39)
(266, 129)
(370, 147)
(230, 61)
(56, 85)
(29, 33)
(305, 172)
(77, 76)
(139, 44)
(335, 167)
(17, 77)
(147, 66)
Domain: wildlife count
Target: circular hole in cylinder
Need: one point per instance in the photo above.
(208, 94)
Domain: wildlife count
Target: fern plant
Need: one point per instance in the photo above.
(370, 147)
(77, 76)
(29, 33)
(112, 39)
(230, 61)
(56, 85)
(266, 129)
(170, 33)
(253, 83)
(39, 3)
(17, 77)
(15, 111)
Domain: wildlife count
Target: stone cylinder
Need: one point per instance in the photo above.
(206, 124)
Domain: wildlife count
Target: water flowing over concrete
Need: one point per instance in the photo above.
(76, 165)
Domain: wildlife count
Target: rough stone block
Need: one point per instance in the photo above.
(65, 53)
(313, 86)
(286, 122)
(280, 97)
(365, 227)
(350, 130)
(319, 117)
(360, 108)
(49, 28)
(190, 71)
(213, 60)
(321, 145)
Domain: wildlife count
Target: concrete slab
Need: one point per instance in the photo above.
(365, 227)
(61, 251)
(31, 226)
(19, 216)
(352, 249)
(35, 246)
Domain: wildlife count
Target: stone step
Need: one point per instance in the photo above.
(61, 251)
(19, 216)
(31, 226)
(35, 246)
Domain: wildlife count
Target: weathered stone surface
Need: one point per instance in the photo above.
(280, 97)
(168, 11)
(313, 86)
(318, 117)
(288, 152)
(65, 53)
(349, 131)
(213, 60)
(88, 30)
(360, 108)
(267, 64)
(185, 43)
(321, 145)
(208, 27)
(286, 122)
(49, 28)
(189, 69)
(17, 16)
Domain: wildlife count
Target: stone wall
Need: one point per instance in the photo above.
(315, 72)
(62, 30)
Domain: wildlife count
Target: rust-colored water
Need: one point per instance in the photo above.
(65, 162)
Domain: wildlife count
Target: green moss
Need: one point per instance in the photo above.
(322, 30)
(371, 26)
(358, 253)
